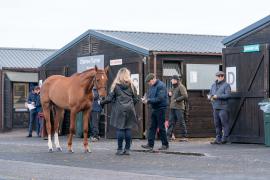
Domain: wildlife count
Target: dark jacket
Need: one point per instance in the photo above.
(96, 107)
(31, 98)
(179, 95)
(38, 103)
(157, 95)
(123, 99)
(223, 91)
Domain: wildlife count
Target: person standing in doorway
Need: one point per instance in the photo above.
(157, 97)
(178, 95)
(95, 117)
(219, 94)
(123, 97)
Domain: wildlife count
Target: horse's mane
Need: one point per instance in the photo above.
(86, 71)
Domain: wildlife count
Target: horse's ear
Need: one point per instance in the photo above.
(96, 68)
(107, 69)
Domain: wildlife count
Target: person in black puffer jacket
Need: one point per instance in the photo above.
(123, 97)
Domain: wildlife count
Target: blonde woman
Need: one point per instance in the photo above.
(123, 97)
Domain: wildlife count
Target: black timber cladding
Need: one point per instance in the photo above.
(142, 59)
(68, 60)
(252, 77)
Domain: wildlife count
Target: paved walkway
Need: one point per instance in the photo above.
(27, 158)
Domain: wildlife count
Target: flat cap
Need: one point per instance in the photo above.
(176, 77)
(149, 77)
(220, 73)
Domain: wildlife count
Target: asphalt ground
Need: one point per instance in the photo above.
(28, 158)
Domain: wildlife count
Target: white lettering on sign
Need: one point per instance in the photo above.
(88, 61)
(115, 62)
(193, 77)
(231, 77)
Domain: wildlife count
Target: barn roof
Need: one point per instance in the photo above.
(246, 31)
(23, 57)
(146, 42)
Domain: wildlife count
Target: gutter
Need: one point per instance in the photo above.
(186, 53)
(2, 103)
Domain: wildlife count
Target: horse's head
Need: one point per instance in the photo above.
(101, 79)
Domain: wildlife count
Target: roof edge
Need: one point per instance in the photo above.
(65, 48)
(245, 31)
(100, 35)
(27, 49)
(186, 53)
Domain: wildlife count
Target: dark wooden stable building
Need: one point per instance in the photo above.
(246, 58)
(18, 74)
(195, 57)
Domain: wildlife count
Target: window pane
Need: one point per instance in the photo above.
(170, 69)
(20, 93)
(201, 76)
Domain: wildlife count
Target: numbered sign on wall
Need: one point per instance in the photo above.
(231, 77)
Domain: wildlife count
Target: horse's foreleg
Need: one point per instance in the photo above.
(71, 130)
(58, 117)
(46, 112)
(86, 114)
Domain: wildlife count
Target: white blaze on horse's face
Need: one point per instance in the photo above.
(102, 77)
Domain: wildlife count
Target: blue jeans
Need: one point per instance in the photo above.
(176, 115)
(221, 120)
(157, 121)
(121, 135)
(39, 126)
(32, 119)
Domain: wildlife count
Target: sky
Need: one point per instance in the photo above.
(54, 23)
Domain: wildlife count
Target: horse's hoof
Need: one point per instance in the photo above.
(70, 151)
(59, 149)
(50, 150)
(87, 151)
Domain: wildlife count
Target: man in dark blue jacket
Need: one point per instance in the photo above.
(95, 116)
(219, 94)
(39, 120)
(157, 97)
(32, 114)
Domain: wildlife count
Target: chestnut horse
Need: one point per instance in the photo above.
(75, 94)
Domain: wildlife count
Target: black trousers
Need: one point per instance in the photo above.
(157, 121)
(94, 121)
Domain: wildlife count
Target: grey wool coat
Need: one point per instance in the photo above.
(123, 100)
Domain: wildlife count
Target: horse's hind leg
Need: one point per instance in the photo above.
(86, 114)
(59, 113)
(71, 130)
(46, 111)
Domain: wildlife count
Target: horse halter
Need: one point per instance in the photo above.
(95, 83)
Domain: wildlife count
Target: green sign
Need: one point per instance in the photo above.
(252, 48)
